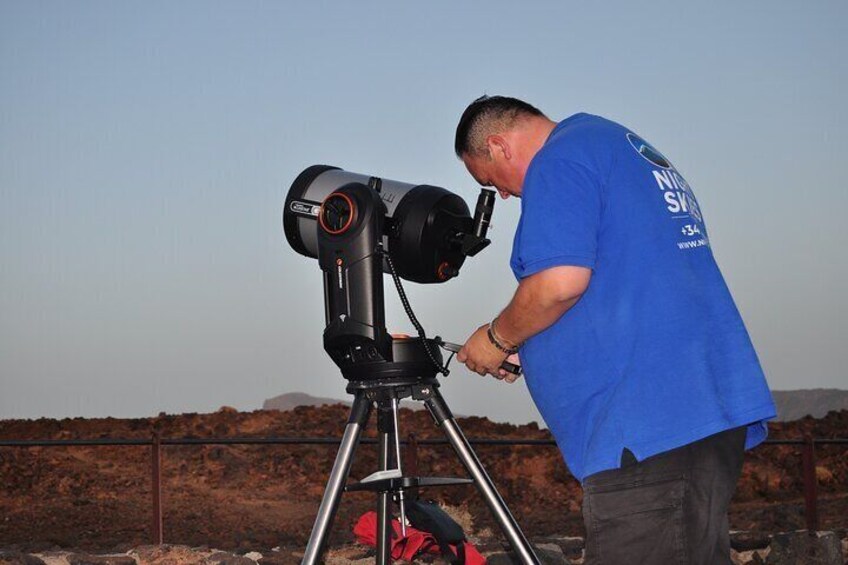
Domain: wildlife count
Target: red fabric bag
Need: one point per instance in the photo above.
(415, 543)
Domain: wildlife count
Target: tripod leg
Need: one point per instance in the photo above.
(442, 414)
(384, 530)
(335, 485)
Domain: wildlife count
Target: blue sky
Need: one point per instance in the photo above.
(146, 149)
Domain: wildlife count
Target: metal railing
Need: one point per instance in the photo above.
(156, 442)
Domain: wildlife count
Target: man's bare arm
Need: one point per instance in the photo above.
(538, 302)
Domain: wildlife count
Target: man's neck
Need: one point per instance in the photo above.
(533, 134)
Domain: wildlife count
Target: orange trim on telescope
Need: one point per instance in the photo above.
(345, 227)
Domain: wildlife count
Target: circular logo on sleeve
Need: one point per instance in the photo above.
(647, 151)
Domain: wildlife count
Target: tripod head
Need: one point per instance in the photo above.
(359, 227)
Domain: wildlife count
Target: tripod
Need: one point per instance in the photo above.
(389, 482)
(362, 231)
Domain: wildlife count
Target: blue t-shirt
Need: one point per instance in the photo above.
(654, 355)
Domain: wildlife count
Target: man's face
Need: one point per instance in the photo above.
(496, 171)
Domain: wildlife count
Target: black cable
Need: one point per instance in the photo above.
(405, 301)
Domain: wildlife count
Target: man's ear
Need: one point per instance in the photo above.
(498, 146)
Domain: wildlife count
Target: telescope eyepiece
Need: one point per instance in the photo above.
(473, 242)
(483, 213)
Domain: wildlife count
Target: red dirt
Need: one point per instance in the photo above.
(252, 497)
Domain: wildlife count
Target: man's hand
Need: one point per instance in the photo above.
(480, 355)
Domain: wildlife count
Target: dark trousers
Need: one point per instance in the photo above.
(668, 509)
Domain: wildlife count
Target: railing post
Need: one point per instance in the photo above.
(411, 463)
(810, 495)
(156, 469)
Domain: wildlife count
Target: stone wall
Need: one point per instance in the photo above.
(792, 548)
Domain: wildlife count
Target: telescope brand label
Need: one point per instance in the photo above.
(305, 208)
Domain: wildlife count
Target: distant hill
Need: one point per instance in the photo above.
(294, 399)
(815, 402)
(291, 400)
(791, 404)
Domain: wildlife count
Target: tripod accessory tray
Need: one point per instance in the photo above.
(392, 484)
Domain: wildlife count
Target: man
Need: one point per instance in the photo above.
(632, 347)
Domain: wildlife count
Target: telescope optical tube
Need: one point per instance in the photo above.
(422, 228)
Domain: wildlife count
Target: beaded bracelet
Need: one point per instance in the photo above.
(500, 339)
(494, 340)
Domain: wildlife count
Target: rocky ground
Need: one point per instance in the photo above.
(255, 498)
(793, 548)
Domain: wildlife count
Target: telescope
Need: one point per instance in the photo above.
(427, 230)
(359, 227)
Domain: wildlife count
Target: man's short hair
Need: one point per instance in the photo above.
(486, 116)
